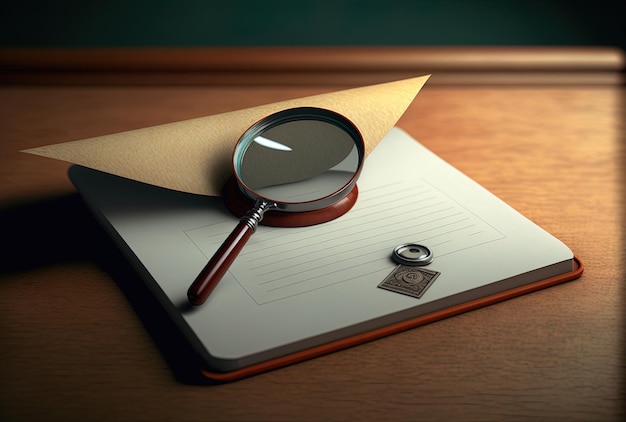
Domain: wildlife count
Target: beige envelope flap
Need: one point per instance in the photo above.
(195, 155)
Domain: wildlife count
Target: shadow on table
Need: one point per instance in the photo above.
(62, 230)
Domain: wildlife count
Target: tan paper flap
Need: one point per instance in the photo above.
(195, 155)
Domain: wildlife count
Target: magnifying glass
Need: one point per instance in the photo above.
(300, 166)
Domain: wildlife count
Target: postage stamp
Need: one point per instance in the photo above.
(411, 281)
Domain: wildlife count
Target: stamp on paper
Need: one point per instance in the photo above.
(411, 281)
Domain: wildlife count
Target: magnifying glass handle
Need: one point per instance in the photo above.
(221, 261)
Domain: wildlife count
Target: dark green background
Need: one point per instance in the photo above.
(279, 22)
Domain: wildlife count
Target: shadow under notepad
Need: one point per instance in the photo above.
(46, 232)
(62, 230)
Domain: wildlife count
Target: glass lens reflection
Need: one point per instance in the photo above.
(299, 161)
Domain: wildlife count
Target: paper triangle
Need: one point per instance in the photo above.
(195, 155)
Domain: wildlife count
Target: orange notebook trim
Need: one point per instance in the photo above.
(391, 329)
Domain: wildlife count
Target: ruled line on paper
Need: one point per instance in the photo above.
(279, 263)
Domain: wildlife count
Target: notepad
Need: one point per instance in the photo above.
(296, 288)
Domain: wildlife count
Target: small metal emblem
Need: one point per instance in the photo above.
(412, 254)
(411, 281)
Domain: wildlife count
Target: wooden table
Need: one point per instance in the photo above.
(80, 338)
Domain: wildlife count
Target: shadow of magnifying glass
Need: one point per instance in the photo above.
(294, 168)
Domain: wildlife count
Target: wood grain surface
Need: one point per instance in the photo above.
(81, 338)
(311, 66)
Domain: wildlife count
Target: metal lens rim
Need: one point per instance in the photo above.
(295, 114)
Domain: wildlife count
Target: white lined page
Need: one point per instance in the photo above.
(280, 263)
(306, 286)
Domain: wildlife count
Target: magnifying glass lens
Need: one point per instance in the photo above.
(298, 161)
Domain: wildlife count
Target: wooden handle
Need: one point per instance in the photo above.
(219, 264)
